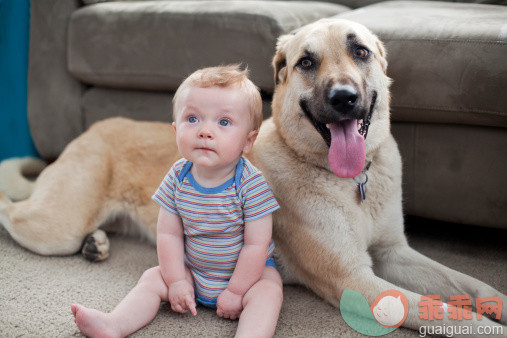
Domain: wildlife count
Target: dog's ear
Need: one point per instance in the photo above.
(383, 55)
(280, 60)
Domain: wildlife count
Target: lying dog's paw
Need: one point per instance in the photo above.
(96, 246)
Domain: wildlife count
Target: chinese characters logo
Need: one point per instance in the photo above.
(459, 307)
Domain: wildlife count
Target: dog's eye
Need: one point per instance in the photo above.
(361, 52)
(305, 63)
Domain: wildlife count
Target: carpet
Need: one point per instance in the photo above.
(36, 292)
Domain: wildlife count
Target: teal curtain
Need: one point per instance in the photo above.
(15, 139)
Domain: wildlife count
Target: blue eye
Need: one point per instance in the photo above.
(224, 123)
(192, 119)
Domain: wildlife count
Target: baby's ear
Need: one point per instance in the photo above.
(252, 136)
(174, 126)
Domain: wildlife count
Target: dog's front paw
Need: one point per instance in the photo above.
(96, 246)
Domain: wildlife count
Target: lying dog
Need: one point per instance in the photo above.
(329, 133)
(327, 153)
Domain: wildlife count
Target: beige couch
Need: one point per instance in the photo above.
(448, 61)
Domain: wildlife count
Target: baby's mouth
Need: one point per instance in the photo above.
(205, 149)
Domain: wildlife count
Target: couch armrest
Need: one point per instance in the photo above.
(54, 111)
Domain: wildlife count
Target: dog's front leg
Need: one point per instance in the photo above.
(370, 286)
(328, 271)
(402, 265)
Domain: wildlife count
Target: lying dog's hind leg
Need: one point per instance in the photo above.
(96, 246)
(138, 220)
(36, 230)
(62, 210)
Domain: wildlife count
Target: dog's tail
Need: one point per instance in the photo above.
(5, 207)
(13, 176)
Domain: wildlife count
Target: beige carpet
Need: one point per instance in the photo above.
(36, 292)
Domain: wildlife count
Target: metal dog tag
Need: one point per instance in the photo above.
(362, 191)
(360, 181)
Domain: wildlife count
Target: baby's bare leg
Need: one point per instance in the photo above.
(261, 306)
(136, 310)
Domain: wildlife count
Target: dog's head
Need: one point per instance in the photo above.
(330, 76)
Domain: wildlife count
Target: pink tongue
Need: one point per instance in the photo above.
(347, 151)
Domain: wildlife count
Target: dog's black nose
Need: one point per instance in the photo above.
(343, 98)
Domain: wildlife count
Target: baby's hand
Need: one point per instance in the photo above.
(181, 297)
(229, 305)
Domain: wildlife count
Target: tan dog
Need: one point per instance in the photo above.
(330, 80)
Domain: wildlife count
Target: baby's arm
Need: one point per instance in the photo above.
(171, 251)
(249, 268)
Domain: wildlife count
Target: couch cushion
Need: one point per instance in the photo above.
(101, 103)
(54, 113)
(454, 173)
(348, 3)
(448, 60)
(154, 45)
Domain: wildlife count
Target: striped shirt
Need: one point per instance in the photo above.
(214, 218)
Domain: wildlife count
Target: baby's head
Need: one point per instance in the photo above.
(217, 113)
(222, 76)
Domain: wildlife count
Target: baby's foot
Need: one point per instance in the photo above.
(94, 323)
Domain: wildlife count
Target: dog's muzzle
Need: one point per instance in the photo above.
(343, 100)
(344, 131)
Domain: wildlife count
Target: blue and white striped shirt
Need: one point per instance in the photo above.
(214, 218)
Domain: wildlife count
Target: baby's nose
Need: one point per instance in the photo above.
(205, 132)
